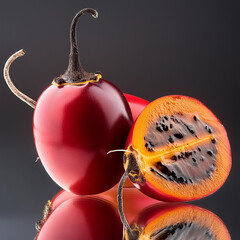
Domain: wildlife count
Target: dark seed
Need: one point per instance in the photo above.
(211, 169)
(165, 127)
(202, 159)
(182, 155)
(178, 135)
(181, 180)
(199, 149)
(189, 129)
(166, 117)
(208, 173)
(149, 146)
(171, 125)
(171, 140)
(213, 141)
(194, 160)
(210, 153)
(159, 129)
(208, 235)
(187, 154)
(195, 118)
(208, 129)
(174, 158)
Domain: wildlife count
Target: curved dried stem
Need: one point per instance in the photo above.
(9, 82)
(120, 201)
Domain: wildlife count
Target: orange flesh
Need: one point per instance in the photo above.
(187, 214)
(146, 159)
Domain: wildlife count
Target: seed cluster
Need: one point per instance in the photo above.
(182, 231)
(192, 164)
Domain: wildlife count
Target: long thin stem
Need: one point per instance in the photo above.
(74, 63)
(120, 200)
(9, 82)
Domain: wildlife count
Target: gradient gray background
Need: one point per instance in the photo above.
(146, 48)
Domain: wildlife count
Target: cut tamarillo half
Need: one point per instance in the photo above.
(177, 221)
(177, 150)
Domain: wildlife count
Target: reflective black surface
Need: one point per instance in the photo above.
(146, 49)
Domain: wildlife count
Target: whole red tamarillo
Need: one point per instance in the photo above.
(77, 120)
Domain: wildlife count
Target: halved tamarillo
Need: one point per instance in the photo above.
(77, 120)
(177, 221)
(177, 150)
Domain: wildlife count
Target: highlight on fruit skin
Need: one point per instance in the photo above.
(179, 150)
(177, 221)
(136, 202)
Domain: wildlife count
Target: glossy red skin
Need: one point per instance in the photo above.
(134, 200)
(136, 104)
(85, 218)
(74, 127)
(62, 197)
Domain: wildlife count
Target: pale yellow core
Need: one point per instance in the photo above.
(151, 160)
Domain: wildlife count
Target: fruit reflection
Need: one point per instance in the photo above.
(177, 222)
(69, 216)
(75, 217)
(85, 218)
(135, 200)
